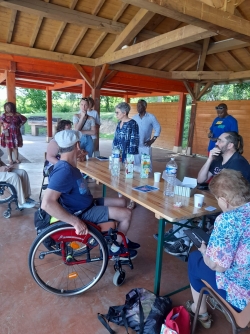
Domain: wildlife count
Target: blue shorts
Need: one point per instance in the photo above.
(98, 213)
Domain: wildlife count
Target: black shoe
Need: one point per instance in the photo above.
(177, 249)
(122, 250)
(133, 245)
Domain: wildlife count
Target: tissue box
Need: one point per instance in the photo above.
(145, 166)
(186, 187)
(129, 166)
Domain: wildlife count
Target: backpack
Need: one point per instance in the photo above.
(143, 311)
(41, 222)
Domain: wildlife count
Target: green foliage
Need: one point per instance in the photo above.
(228, 92)
(31, 100)
(108, 103)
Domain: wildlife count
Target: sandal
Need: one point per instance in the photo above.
(17, 161)
(132, 205)
(214, 305)
(204, 318)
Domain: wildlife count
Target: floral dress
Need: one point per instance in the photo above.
(229, 247)
(13, 137)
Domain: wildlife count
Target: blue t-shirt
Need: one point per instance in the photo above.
(69, 181)
(236, 162)
(221, 125)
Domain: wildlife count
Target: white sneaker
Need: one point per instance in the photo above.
(27, 205)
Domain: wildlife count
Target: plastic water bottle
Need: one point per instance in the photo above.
(171, 171)
(115, 167)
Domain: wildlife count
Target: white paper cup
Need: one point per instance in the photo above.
(157, 176)
(198, 200)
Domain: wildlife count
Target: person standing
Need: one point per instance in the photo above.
(93, 113)
(127, 131)
(11, 136)
(221, 124)
(147, 123)
(86, 124)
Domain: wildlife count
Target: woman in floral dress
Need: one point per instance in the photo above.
(225, 262)
(11, 137)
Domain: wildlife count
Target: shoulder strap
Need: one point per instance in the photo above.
(85, 120)
(102, 319)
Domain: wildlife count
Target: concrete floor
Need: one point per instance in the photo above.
(25, 308)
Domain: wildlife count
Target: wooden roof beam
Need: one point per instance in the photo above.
(35, 31)
(175, 75)
(43, 54)
(84, 75)
(66, 84)
(203, 55)
(165, 41)
(59, 13)
(139, 21)
(226, 45)
(199, 14)
(101, 76)
(109, 76)
(11, 26)
(3, 77)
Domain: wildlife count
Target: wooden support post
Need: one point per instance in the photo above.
(11, 86)
(86, 89)
(191, 127)
(180, 123)
(96, 98)
(127, 99)
(49, 114)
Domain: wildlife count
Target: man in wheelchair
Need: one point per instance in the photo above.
(20, 180)
(68, 193)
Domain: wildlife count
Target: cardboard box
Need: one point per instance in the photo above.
(186, 187)
(129, 166)
(145, 166)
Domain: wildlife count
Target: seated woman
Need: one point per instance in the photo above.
(225, 262)
(20, 180)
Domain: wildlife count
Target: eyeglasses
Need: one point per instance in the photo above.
(219, 108)
(116, 112)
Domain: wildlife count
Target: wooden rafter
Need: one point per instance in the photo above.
(67, 15)
(166, 41)
(84, 75)
(103, 35)
(43, 54)
(139, 21)
(101, 76)
(66, 84)
(200, 15)
(109, 76)
(12, 25)
(191, 63)
(204, 90)
(189, 89)
(84, 29)
(35, 31)
(203, 54)
(3, 76)
(226, 45)
(181, 62)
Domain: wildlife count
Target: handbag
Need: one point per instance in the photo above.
(143, 311)
(177, 322)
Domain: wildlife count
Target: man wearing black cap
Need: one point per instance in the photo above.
(222, 123)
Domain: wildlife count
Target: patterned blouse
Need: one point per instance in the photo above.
(229, 247)
(127, 138)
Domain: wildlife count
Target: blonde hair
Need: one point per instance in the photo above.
(231, 185)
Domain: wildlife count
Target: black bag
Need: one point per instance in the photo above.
(143, 312)
(42, 221)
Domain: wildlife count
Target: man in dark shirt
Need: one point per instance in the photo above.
(226, 154)
(68, 193)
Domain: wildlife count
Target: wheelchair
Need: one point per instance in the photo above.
(67, 264)
(8, 195)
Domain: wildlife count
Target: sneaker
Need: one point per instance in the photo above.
(170, 240)
(30, 200)
(122, 250)
(133, 245)
(178, 248)
(27, 205)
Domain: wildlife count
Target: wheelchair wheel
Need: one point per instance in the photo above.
(7, 192)
(80, 265)
(119, 277)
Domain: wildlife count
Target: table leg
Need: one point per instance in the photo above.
(104, 190)
(158, 268)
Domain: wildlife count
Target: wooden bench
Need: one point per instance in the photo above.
(37, 122)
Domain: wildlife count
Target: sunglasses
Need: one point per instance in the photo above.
(84, 98)
(219, 108)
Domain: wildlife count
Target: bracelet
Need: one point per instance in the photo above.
(155, 137)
